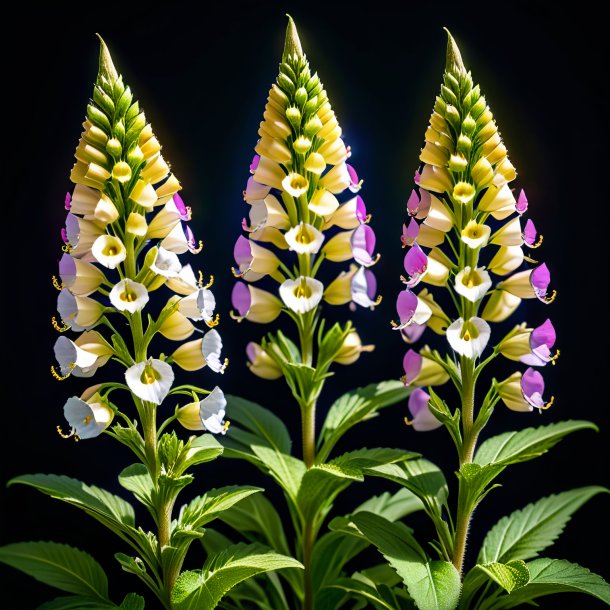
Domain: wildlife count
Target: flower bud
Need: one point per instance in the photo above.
(188, 416)
(135, 156)
(293, 114)
(301, 96)
(113, 146)
(260, 363)
(351, 348)
(136, 224)
(121, 171)
(517, 343)
(458, 163)
(312, 127)
(453, 116)
(482, 172)
(468, 125)
(302, 144)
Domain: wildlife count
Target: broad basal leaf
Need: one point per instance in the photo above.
(58, 565)
(203, 590)
(357, 406)
(520, 446)
(526, 532)
(548, 576)
(101, 504)
(433, 585)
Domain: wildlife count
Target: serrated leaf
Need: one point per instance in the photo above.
(204, 589)
(285, 469)
(433, 585)
(107, 508)
(357, 406)
(351, 585)
(136, 479)
(76, 602)
(548, 576)
(267, 427)
(206, 508)
(58, 565)
(526, 532)
(520, 446)
(510, 576)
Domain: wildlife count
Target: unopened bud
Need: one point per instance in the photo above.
(301, 96)
(293, 114)
(135, 155)
(351, 349)
(114, 148)
(121, 171)
(311, 105)
(468, 125)
(458, 163)
(453, 116)
(464, 144)
(302, 144)
(312, 126)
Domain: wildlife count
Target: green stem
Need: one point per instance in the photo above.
(308, 544)
(470, 434)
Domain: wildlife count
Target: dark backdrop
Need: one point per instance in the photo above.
(203, 80)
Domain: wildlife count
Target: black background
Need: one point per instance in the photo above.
(202, 79)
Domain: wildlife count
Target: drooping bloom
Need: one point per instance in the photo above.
(306, 212)
(423, 419)
(87, 418)
(207, 414)
(466, 232)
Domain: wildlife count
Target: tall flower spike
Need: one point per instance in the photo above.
(462, 206)
(305, 214)
(125, 227)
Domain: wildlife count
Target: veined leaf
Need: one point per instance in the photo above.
(206, 508)
(203, 590)
(285, 469)
(111, 510)
(77, 602)
(368, 592)
(510, 576)
(526, 532)
(520, 446)
(60, 566)
(136, 479)
(204, 448)
(132, 602)
(357, 406)
(433, 585)
(262, 423)
(548, 576)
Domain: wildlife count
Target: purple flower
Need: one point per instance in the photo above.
(411, 363)
(411, 310)
(355, 184)
(542, 341)
(363, 245)
(540, 279)
(413, 332)
(419, 205)
(364, 288)
(423, 419)
(254, 163)
(409, 233)
(530, 235)
(532, 386)
(68, 202)
(183, 210)
(521, 205)
(416, 264)
(361, 210)
(240, 298)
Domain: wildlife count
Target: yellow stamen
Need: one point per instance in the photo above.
(538, 243)
(216, 321)
(549, 300)
(237, 274)
(378, 300)
(409, 422)
(225, 365)
(63, 434)
(59, 377)
(198, 249)
(235, 316)
(87, 419)
(554, 358)
(56, 284)
(548, 405)
(67, 248)
(367, 219)
(226, 425)
(57, 327)
(393, 324)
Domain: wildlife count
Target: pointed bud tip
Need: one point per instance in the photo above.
(292, 45)
(106, 69)
(454, 57)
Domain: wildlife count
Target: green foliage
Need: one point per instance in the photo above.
(202, 590)
(526, 532)
(60, 566)
(510, 576)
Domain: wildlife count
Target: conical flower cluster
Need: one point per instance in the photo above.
(125, 230)
(466, 233)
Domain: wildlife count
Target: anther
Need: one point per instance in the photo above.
(211, 281)
(57, 327)
(235, 316)
(378, 300)
(408, 421)
(63, 434)
(554, 358)
(56, 284)
(548, 405)
(59, 377)
(67, 248)
(226, 425)
(235, 273)
(549, 300)
(214, 322)
(225, 365)
(198, 249)
(538, 243)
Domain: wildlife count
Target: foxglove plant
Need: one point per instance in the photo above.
(465, 238)
(306, 216)
(125, 229)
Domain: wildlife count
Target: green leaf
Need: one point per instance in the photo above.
(206, 508)
(203, 590)
(76, 602)
(204, 448)
(136, 479)
(267, 427)
(510, 576)
(357, 406)
(107, 508)
(526, 532)
(132, 602)
(433, 585)
(285, 469)
(351, 585)
(548, 576)
(523, 445)
(58, 565)
(392, 506)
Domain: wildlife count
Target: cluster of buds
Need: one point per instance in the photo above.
(465, 233)
(125, 229)
(304, 209)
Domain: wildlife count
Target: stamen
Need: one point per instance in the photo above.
(226, 425)
(198, 249)
(56, 284)
(377, 258)
(529, 259)
(63, 434)
(67, 248)
(378, 300)
(409, 422)
(58, 376)
(538, 243)
(367, 219)
(549, 300)
(225, 365)
(215, 321)
(554, 358)
(403, 379)
(57, 327)
(211, 281)
(237, 274)
(548, 405)
(235, 316)
(393, 324)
